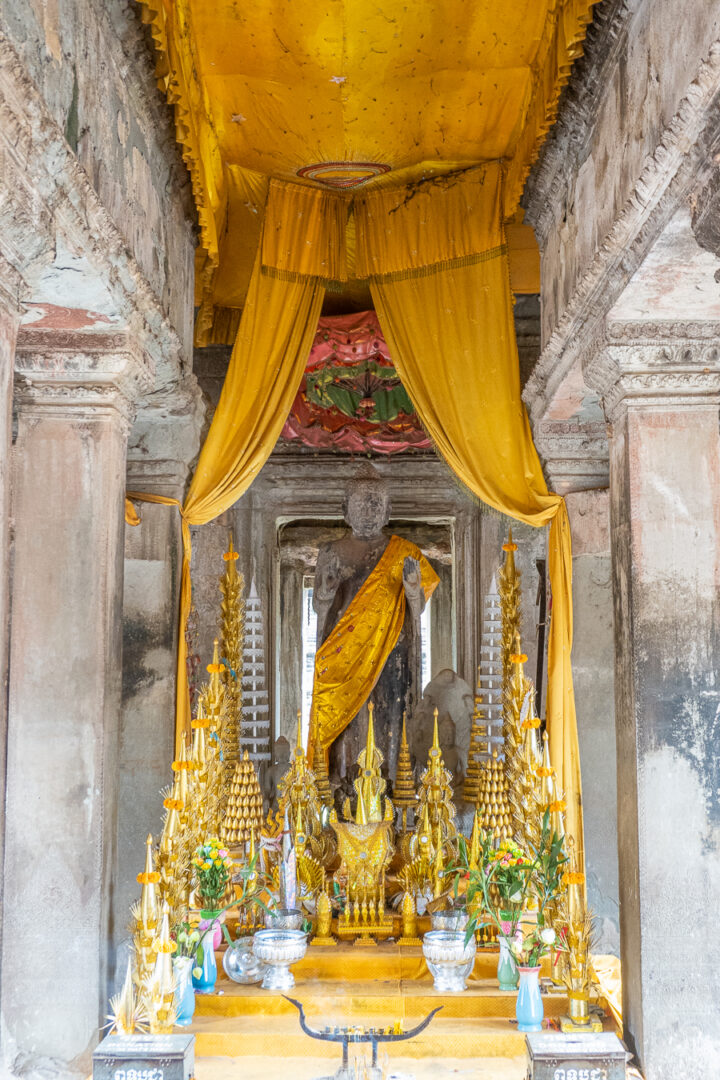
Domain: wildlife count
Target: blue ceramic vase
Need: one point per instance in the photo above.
(529, 1005)
(205, 983)
(184, 991)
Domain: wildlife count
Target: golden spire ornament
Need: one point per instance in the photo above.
(145, 916)
(370, 786)
(160, 989)
(575, 919)
(436, 794)
(478, 746)
(408, 912)
(525, 792)
(232, 627)
(509, 590)
(127, 1014)
(320, 771)
(323, 921)
(516, 706)
(404, 797)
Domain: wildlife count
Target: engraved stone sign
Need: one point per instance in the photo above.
(145, 1057)
(555, 1056)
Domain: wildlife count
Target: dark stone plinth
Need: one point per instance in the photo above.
(571, 1057)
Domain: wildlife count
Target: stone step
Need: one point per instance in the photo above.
(330, 1002)
(281, 1037)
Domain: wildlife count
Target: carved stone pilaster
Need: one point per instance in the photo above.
(575, 455)
(646, 364)
(67, 372)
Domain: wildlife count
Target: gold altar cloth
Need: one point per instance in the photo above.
(349, 662)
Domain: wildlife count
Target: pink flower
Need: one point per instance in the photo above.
(506, 927)
(222, 854)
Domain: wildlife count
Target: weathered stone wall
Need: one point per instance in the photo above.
(624, 94)
(93, 67)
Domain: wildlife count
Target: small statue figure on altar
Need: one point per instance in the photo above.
(370, 591)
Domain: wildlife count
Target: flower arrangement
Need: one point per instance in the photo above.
(506, 881)
(509, 867)
(212, 865)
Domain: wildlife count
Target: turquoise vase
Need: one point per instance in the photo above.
(529, 1006)
(205, 982)
(184, 991)
(507, 971)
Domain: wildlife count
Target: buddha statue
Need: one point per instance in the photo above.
(356, 575)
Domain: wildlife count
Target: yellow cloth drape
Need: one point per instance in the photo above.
(268, 359)
(349, 662)
(451, 335)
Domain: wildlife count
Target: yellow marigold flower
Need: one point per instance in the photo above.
(218, 863)
(206, 865)
(574, 878)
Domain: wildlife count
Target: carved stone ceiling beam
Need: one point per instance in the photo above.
(684, 158)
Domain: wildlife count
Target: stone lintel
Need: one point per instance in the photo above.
(646, 364)
(71, 372)
(575, 455)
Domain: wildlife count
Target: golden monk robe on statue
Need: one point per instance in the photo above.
(369, 594)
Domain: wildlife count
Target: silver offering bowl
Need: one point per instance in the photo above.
(449, 919)
(449, 959)
(278, 949)
(240, 963)
(284, 919)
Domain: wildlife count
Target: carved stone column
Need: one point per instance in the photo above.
(75, 397)
(9, 320)
(660, 384)
(164, 440)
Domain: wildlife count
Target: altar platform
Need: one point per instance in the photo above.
(372, 986)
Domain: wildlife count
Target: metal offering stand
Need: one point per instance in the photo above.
(353, 1034)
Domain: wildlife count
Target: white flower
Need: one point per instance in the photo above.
(516, 898)
(548, 935)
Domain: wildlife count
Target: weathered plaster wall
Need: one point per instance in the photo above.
(634, 99)
(94, 68)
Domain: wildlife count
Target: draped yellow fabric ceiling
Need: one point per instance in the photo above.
(415, 86)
